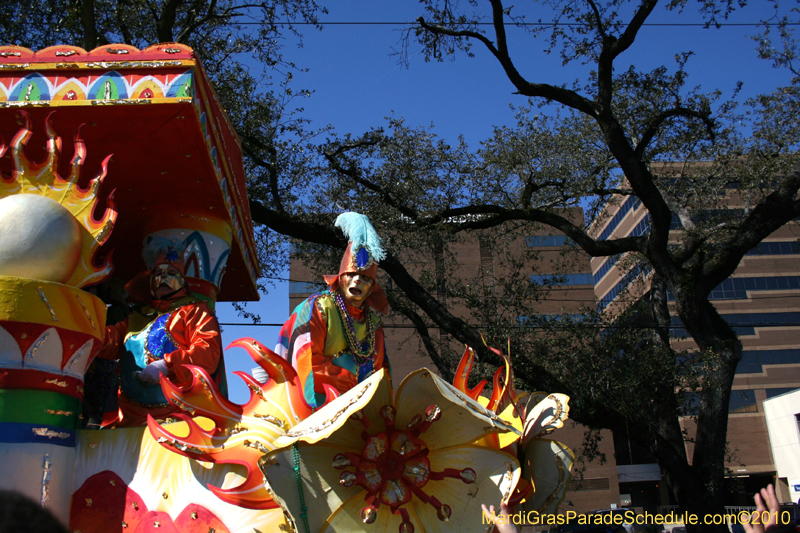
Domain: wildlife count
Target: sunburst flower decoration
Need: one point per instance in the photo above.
(408, 462)
(74, 264)
(376, 461)
(241, 434)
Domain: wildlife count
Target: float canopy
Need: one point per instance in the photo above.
(176, 161)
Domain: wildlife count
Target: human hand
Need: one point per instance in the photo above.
(151, 372)
(771, 509)
(501, 520)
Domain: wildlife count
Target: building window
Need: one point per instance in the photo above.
(622, 284)
(753, 360)
(743, 401)
(642, 228)
(536, 320)
(544, 241)
(565, 279)
(304, 287)
(745, 323)
(606, 266)
(631, 204)
(771, 393)
(737, 288)
(775, 248)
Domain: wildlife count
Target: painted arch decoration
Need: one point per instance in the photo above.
(98, 87)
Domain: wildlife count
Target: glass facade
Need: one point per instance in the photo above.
(544, 241)
(563, 279)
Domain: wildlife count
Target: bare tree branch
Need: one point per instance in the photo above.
(656, 122)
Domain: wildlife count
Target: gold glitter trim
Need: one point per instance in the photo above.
(50, 434)
(267, 359)
(336, 416)
(134, 64)
(271, 419)
(47, 303)
(179, 446)
(38, 344)
(509, 477)
(557, 491)
(86, 312)
(468, 403)
(203, 382)
(256, 446)
(183, 406)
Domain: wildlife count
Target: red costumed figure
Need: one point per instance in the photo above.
(334, 338)
(170, 330)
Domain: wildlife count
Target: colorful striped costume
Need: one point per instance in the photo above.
(313, 340)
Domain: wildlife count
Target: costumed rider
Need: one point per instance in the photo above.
(170, 330)
(334, 338)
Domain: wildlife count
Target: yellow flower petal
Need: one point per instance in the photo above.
(546, 414)
(497, 474)
(329, 419)
(463, 420)
(548, 463)
(348, 518)
(501, 440)
(322, 492)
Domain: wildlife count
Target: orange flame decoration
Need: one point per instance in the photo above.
(503, 391)
(533, 414)
(242, 434)
(43, 179)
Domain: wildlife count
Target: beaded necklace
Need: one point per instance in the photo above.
(364, 352)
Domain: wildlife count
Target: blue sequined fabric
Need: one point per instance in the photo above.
(158, 342)
(365, 370)
(362, 257)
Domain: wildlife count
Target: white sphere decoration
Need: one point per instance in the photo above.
(39, 238)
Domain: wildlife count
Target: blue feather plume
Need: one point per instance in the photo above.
(358, 230)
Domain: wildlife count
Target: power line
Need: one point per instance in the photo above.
(594, 326)
(526, 24)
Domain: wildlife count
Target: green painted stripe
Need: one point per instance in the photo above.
(39, 407)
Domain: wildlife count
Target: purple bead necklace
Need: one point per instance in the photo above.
(361, 355)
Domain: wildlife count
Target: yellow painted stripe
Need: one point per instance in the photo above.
(51, 304)
(85, 103)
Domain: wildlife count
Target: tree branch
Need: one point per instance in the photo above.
(541, 90)
(354, 173)
(89, 24)
(629, 35)
(597, 18)
(656, 122)
(272, 171)
(469, 217)
(612, 47)
(166, 21)
(778, 208)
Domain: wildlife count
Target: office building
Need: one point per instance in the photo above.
(761, 300)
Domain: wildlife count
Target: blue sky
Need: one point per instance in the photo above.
(356, 83)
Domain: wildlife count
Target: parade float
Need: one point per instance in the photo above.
(103, 151)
